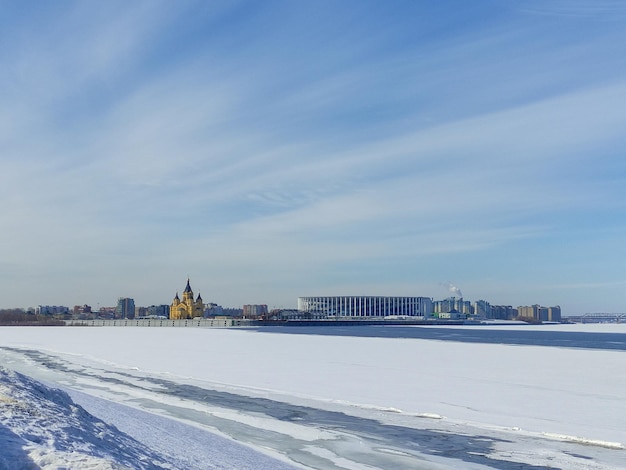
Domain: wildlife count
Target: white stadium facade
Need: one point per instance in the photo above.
(365, 306)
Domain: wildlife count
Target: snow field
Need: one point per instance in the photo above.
(523, 392)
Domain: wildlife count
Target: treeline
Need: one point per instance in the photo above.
(18, 317)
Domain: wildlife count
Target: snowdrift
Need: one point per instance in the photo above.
(41, 427)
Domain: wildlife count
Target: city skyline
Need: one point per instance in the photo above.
(278, 150)
(431, 305)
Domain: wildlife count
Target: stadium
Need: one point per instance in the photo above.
(365, 306)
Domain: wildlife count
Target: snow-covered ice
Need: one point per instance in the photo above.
(209, 398)
(43, 428)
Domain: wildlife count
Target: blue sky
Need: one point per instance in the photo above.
(278, 149)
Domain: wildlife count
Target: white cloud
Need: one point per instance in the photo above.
(125, 150)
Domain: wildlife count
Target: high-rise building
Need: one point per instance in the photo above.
(125, 308)
(453, 304)
(482, 309)
(538, 313)
(503, 312)
(554, 313)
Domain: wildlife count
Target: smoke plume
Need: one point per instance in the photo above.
(454, 290)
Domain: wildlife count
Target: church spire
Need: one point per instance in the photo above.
(188, 288)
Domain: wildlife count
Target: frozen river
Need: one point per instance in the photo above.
(363, 401)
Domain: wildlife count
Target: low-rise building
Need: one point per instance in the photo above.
(254, 310)
(52, 310)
